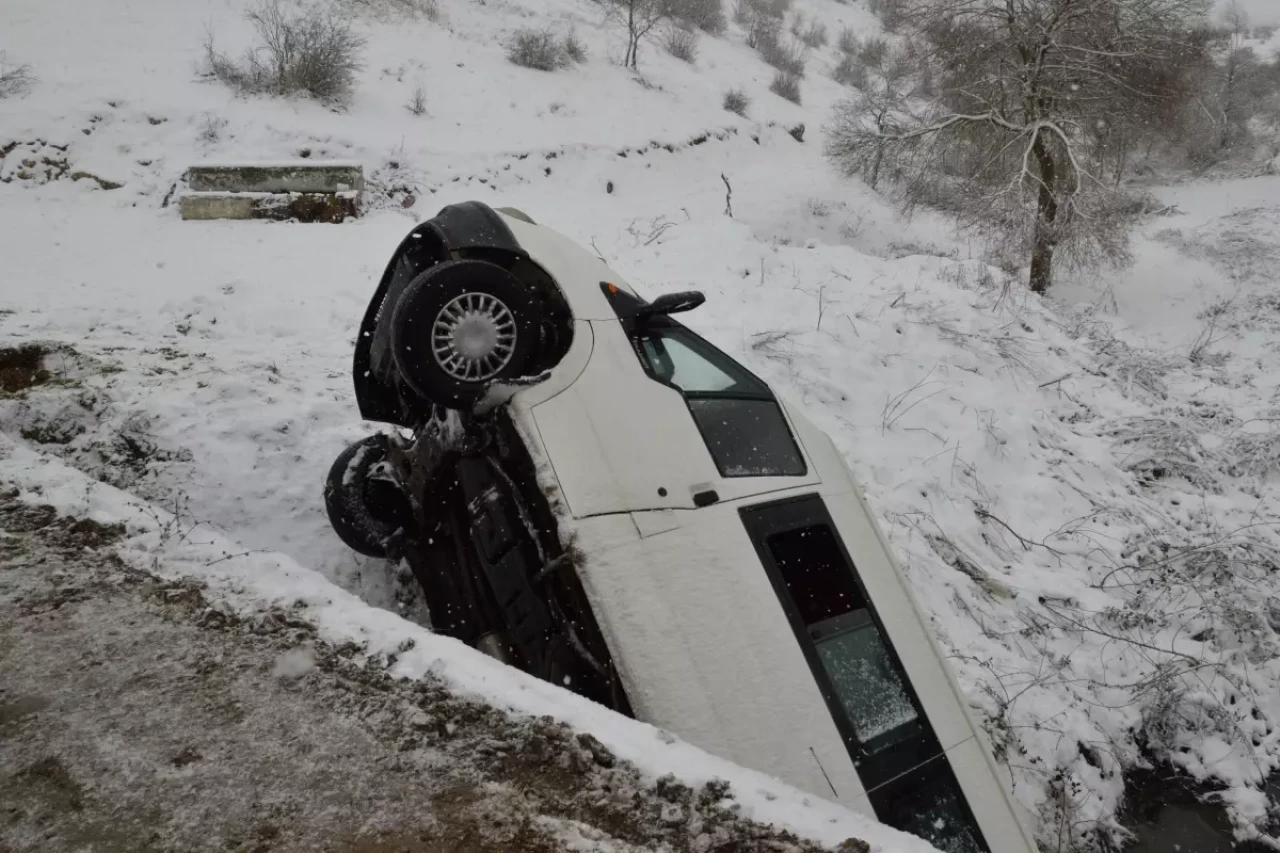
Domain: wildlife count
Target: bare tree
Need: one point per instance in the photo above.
(1006, 131)
(1241, 79)
(640, 17)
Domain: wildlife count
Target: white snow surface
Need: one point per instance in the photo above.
(1081, 489)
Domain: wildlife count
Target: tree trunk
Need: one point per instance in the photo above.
(1228, 106)
(1046, 217)
(633, 40)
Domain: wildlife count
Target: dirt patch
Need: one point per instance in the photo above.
(23, 367)
(36, 161)
(63, 533)
(138, 714)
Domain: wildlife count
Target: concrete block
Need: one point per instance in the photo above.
(300, 207)
(300, 177)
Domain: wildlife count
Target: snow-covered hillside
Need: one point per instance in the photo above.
(1082, 490)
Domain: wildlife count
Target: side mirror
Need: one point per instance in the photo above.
(627, 306)
(672, 303)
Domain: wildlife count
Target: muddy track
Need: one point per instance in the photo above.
(136, 716)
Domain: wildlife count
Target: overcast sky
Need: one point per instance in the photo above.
(1260, 11)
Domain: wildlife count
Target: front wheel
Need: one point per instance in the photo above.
(462, 326)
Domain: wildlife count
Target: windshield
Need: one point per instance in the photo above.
(740, 421)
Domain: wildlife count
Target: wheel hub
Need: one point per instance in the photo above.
(473, 337)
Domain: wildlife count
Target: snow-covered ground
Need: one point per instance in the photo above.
(1082, 490)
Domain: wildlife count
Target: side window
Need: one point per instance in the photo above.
(869, 686)
(908, 778)
(737, 415)
(674, 362)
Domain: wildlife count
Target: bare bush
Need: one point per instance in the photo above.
(786, 85)
(682, 43)
(418, 103)
(574, 49)
(890, 12)
(736, 102)
(814, 35)
(873, 51)
(310, 51)
(705, 15)
(782, 54)
(1162, 448)
(762, 19)
(14, 79)
(847, 42)
(543, 50)
(383, 9)
(850, 72)
(211, 128)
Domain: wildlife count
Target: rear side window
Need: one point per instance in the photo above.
(738, 416)
(907, 777)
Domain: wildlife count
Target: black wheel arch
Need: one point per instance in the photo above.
(469, 229)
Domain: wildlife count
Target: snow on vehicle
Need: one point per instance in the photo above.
(589, 491)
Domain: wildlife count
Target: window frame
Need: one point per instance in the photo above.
(898, 768)
(703, 348)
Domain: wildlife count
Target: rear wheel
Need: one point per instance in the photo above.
(461, 326)
(366, 509)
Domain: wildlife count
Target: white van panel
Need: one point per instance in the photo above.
(616, 437)
(705, 650)
(988, 799)
(621, 442)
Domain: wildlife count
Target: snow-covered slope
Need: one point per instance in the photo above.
(1083, 499)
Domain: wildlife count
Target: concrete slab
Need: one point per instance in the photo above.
(299, 177)
(300, 207)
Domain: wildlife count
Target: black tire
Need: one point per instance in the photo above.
(364, 511)
(449, 285)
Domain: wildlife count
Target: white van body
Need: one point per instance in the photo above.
(697, 626)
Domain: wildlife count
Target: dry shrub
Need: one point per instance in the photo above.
(736, 102)
(850, 72)
(705, 15)
(14, 79)
(786, 56)
(890, 12)
(418, 103)
(681, 42)
(574, 49)
(392, 9)
(309, 51)
(543, 50)
(814, 35)
(847, 42)
(786, 85)
(761, 19)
